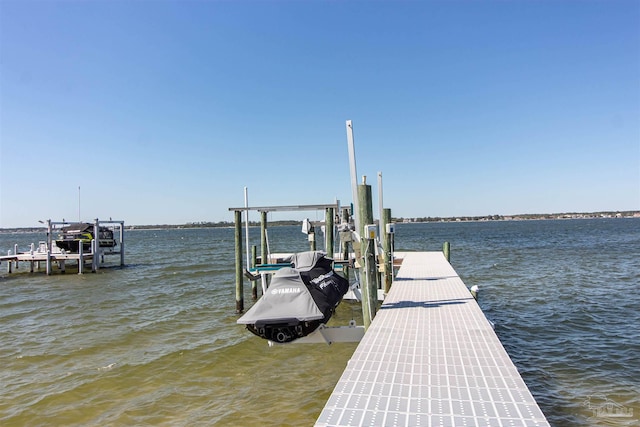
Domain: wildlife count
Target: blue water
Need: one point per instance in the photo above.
(156, 343)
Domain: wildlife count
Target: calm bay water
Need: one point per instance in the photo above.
(156, 343)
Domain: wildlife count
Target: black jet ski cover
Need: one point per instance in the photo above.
(298, 300)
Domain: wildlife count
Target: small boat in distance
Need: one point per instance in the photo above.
(73, 235)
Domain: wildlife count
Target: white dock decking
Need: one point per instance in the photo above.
(430, 358)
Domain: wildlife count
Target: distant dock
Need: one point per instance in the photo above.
(430, 358)
(48, 253)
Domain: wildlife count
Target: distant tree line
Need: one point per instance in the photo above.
(211, 224)
(565, 215)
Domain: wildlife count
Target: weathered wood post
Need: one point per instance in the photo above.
(31, 250)
(48, 261)
(121, 243)
(369, 276)
(386, 247)
(345, 238)
(312, 238)
(254, 256)
(328, 231)
(9, 262)
(446, 249)
(49, 235)
(238, 239)
(15, 252)
(94, 259)
(96, 246)
(80, 258)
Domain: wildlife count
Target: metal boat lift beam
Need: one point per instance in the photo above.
(285, 208)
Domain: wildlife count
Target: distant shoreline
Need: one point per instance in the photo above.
(398, 220)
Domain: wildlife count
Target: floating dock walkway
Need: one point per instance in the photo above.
(430, 358)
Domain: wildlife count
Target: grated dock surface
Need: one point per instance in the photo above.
(430, 358)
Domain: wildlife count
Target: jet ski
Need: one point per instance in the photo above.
(299, 299)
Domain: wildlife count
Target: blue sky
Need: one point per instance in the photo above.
(163, 111)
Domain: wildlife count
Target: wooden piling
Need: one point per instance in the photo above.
(48, 261)
(386, 247)
(254, 256)
(121, 243)
(81, 258)
(369, 276)
(328, 230)
(312, 239)
(239, 272)
(345, 242)
(94, 258)
(446, 249)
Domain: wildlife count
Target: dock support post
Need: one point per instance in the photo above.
(328, 231)
(94, 256)
(312, 239)
(369, 280)
(446, 249)
(9, 262)
(15, 252)
(48, 262)
(96, 245)
(386, 247)
(345, 238)
(263, 238)
(49, 235)
(254, 256)
(264, 252)
(122, 244)
(80, 259)
(238, 239)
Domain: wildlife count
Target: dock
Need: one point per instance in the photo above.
(48, 253)
(430, 357)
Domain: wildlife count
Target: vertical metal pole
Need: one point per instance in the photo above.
(386, 246)
(263, 238)
(264, 253)
(354, 173)
(246, 225)
(380, 205)
(328, 231)
(238, 239)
